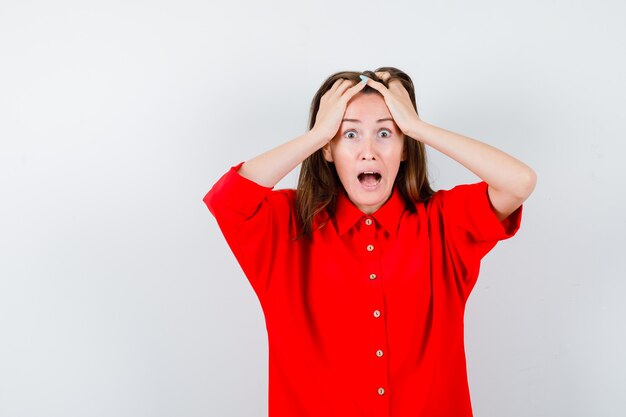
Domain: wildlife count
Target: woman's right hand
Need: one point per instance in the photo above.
(272, 166)
(333, 106)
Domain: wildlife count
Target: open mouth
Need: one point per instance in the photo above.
(369, 178)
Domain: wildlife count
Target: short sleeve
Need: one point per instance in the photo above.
(235, 196)
(256, 222)
(470, 229)
(467, 208)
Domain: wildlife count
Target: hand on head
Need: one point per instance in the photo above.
(333, 106)
(334, 102)
(397, 100)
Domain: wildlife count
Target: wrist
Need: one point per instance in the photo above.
(318, 137)
(416, 130)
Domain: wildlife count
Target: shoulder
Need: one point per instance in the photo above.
(461, 190)
(286, 195)
(282, 203)
(467, 193)
(468, 208)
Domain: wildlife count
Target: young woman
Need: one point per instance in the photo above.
(363, 272)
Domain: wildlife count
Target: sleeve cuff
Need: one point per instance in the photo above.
(236, 193)
(469, 208)
(494, 229)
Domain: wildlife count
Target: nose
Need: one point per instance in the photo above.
(367, 150)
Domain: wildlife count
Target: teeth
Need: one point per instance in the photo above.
(376, 175)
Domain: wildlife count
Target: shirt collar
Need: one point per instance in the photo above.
(347, 214)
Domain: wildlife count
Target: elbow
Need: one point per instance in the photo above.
(207, 200)
(525, 183)
(210, 201)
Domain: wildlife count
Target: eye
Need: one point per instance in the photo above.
(350, 134)
(384, 133)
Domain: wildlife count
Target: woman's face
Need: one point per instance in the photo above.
(367, 151)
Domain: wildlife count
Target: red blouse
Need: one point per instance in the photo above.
(366, 318)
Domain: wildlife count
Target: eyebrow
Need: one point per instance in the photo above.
(358, 121)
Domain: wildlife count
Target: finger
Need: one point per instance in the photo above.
(352, 91)
(333, 89)
(378, 87)
(335, 85)
(344, 86)
(383, 75)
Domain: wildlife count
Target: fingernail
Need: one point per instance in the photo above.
(363, 78)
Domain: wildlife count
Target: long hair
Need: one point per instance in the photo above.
(319, 184)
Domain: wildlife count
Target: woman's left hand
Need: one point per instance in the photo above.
(398, 102)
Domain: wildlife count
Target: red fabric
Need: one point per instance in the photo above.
(330, 351)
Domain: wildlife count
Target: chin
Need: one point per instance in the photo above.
(368, 202)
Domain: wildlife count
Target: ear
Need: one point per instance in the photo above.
(328, 156)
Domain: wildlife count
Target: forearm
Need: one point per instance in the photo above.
(501, 171)
(270, 167)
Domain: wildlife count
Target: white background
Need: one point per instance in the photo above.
(119, 296)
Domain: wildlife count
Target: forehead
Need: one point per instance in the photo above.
(367, 106)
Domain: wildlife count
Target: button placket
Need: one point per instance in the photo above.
(372, 245)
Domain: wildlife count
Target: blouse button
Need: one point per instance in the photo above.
(381, 391)
(370, 248)
(376, 313)
(368, 222)
(379, 353)
(372, 276)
